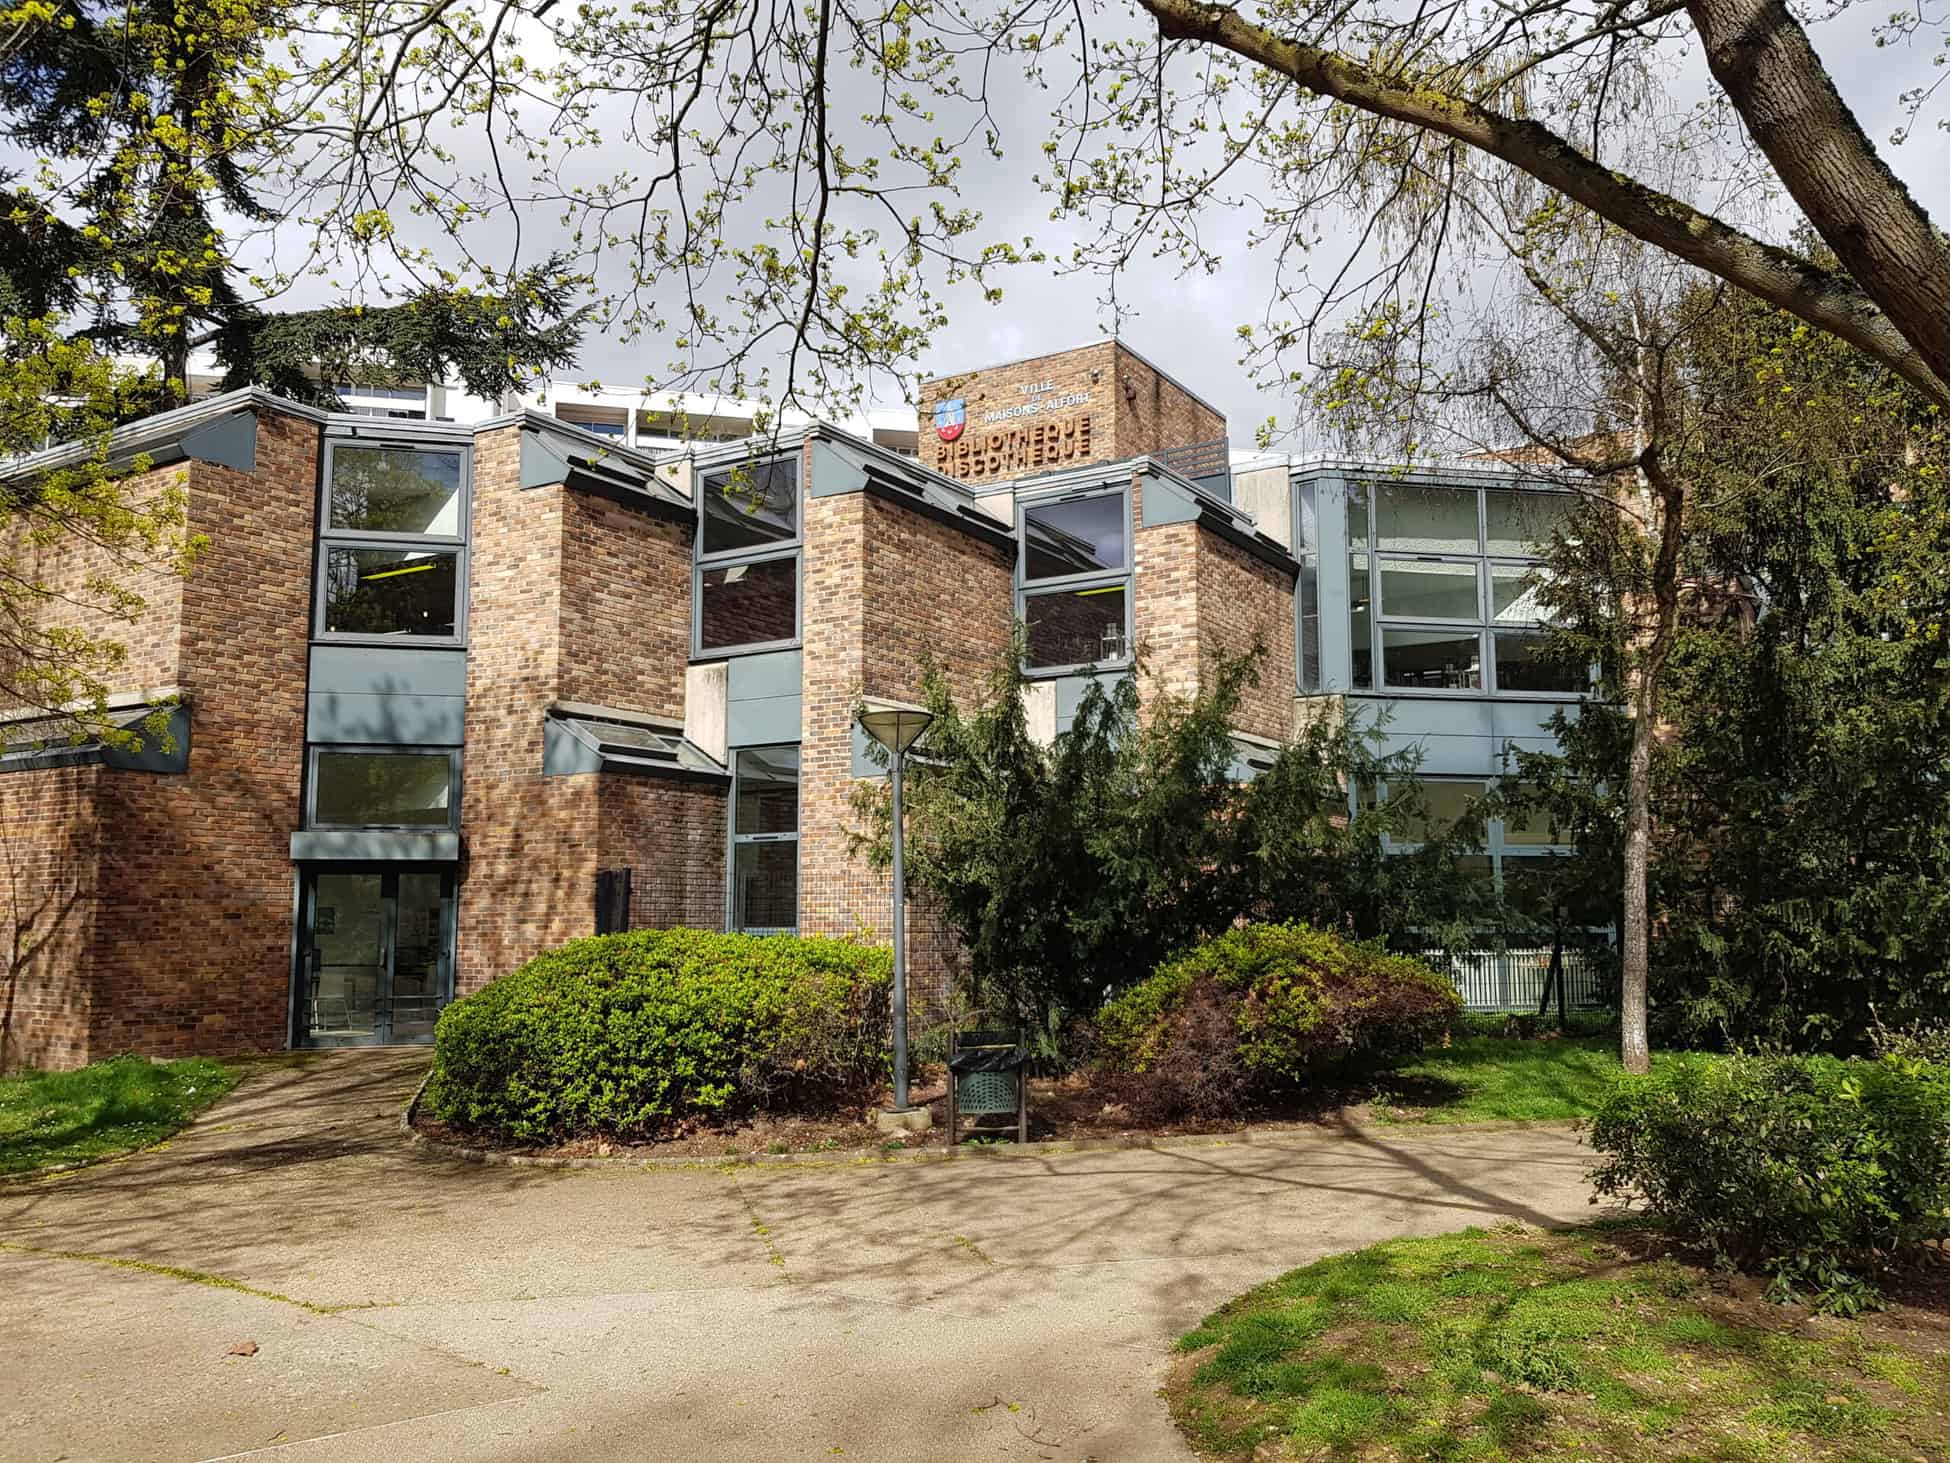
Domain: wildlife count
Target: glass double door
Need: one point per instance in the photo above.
(376, 963)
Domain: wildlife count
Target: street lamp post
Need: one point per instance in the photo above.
(895, 728)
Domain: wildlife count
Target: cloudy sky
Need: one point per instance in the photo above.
(1189, 324)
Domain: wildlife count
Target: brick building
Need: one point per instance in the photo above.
(442, 696)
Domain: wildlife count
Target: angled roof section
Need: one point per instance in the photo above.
(580, 739)
(843, 463)
(31, 742)
(554, 451)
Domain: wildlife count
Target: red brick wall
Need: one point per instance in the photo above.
(1242, 598)
(151, 639)
(529, 841)
(1127, 409)
(1200, 598)
(48, 897)
(197, 880)
(885, 587)
(571, 599)
(671, 836)
(626, 607)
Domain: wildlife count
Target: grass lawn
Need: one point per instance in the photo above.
(1589, 1343)
(1482, 1078)
(63, 1117)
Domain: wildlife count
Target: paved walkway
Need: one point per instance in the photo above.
(412, 1307)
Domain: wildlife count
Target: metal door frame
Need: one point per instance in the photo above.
(389, 877)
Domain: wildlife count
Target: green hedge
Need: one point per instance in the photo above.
(625, 1034)
(1262, 1009)
(1814, 1170)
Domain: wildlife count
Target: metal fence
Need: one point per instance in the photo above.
(1513, 980)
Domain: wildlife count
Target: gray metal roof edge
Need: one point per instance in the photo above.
(905, 466)
(1449, 469)
(161, 430)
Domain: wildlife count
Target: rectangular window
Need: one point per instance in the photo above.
(1075, 536)
(1418, 520)
(391, 789)
(1429, 590)
(396, 490)
(391, 592)
(1309, 626)
(1521, 665)
(1431, 660)
(1077, 626)
(1357, 516)
(754, 505)
(1360, 621)
(765, 840)
(1513, 595)
(392, 527)
(1519, 524)
(1443, 802)
(1532, 829)
(1307, 528)
(748, 604)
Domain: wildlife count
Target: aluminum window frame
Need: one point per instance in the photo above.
(326, 538)
(1124, 579)
(1363, 495)
(313, 751)
(733, 838)
(793, 549)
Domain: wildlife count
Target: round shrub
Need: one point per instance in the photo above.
(1814, 1170)
(625, 1034)
(1259, 1011)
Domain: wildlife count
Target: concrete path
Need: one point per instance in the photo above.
(411, 1307)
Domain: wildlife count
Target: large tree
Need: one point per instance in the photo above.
(781, 180)
(158, 127)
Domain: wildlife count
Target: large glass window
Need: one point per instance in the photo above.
(396, 490)
(1522, 665)
(1075, 580)
(748, 604)
(1419, 520)
(390, 592)
(1075, 536)
(1360, 620)
(1072, 627)
(765, 840)
(1448, 578)
(750, 506)
(1520, 524)
(392, 531)
(748, 556)
(1431, 660)
(366, 788)
(1430, 590)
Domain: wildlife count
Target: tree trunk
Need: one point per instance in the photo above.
(1634, 1044)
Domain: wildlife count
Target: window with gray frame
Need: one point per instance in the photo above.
(1307, 601)
(1074, 579)
(1442, 589)
(748, 558)
(765, 840)
(392, 542)
(1513, 847)
(384, 787)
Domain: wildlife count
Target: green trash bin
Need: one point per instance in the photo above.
(987, 1077)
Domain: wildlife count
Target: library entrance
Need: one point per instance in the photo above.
(375, 963)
